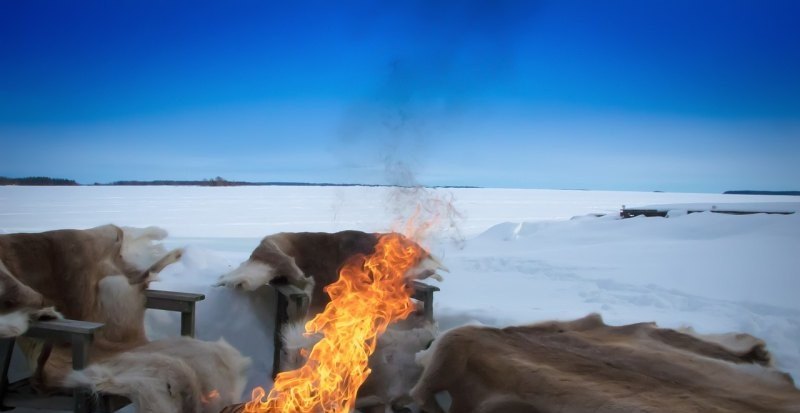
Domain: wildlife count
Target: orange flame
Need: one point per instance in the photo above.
(371, 292)
(211, 396)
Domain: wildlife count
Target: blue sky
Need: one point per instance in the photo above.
(629, 95)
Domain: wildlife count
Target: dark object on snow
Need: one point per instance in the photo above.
(792, 193)
(635, 212)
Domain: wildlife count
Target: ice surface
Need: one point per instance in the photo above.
(529, 255)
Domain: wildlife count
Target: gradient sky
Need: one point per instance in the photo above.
(696, 96)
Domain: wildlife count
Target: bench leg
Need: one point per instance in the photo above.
(428, 305)
(6, 350)
(80, 358)
(287, 307)
(187, 322)
(281, 317)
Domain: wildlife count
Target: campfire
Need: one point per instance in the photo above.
(371, 292)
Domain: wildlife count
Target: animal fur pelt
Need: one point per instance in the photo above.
(100, 275)
(588, 366)
(63, 268)
(173, 375)
(311, 261)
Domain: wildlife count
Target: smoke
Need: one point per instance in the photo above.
(434, 60)
(426, 213)
(444, 57)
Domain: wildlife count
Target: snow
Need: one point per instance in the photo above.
(516, 256)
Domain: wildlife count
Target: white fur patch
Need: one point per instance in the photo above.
(122, 303)
(174, 375)
(154, 382)
(423, 357)
(47, 313)
(139, 248)
(249, 275)
(427, 269)
(295, 343)
(236, 366)
(294, 336)
(14, 323)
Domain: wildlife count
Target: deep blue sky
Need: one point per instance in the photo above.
(698, 96)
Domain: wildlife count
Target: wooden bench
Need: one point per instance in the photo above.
(292, 304)
(79, 335)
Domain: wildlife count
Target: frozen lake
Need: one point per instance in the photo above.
(519, 256)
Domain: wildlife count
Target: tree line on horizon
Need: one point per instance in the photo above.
(218, 181)
(748, 192)
(37, 181)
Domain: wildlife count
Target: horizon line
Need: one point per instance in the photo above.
(221, 182)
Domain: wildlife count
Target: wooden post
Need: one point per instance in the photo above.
(6, 350)
(424, 292)
(187, 321)
(80, 358)
(291, 303)
(281, 316)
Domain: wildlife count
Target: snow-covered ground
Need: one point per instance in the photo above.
(519, 256)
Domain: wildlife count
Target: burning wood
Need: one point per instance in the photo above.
(371, 293)
(236, 408)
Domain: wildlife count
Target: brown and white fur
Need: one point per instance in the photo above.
(19, 304)
(311, 261)
(588, 366)
(63, 268)
(100, 275)
(171, 375)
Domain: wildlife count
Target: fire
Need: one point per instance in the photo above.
(211, 396)
(371, 292)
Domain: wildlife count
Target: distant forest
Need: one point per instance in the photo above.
(218, 181)
(796, 193)
(37, 181)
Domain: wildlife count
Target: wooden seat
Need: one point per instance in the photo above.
(292, 304)
(80, 334)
